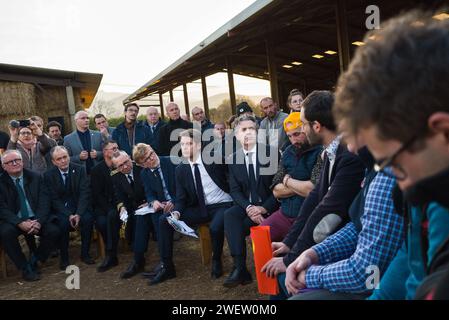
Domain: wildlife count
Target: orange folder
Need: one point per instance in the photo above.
(260, 236)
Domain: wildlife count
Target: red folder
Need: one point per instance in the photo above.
(260, 236)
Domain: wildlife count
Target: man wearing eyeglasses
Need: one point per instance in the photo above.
(25, 209)
(104, 204)
(131, 131)
(407, 131)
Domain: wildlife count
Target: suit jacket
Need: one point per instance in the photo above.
(239, 179)
(329, 197)
(73, 144)
(125, 195)
(154, 136)
(102, 189)
(36, 193)
(151, 184)
(78, 189)
(186, 195)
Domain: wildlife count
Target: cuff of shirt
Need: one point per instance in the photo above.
(323, 253)
(313, 277)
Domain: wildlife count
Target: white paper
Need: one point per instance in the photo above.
(124, 216)
(143, 211)
(181, 227)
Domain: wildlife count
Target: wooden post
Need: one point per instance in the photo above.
(271, 63)
(171, 95)
(186, 98)
(342, 35)
(205, 100)
(161, 103)
(231, 84)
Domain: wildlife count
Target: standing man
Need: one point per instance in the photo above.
(54, 130)
(273, 124)
(250, 176)
(199, 117)
(131, 132)
(169, 133)
(83, 145)
(154, 122)
(69, 189)
(102, 125)
(24, 209)
(201, 196)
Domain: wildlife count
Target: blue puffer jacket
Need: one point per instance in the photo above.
(142, 134)
(299, 168)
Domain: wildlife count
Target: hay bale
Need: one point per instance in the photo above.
(17, 98)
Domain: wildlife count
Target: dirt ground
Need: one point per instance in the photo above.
(193, 281)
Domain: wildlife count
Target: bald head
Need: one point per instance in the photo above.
(152, 115)
(198, 114)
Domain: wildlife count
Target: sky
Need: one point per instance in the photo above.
(128, 41)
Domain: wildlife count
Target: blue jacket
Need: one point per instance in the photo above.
(407, 270)
(299, 168)
(151, 183)
(142, 135)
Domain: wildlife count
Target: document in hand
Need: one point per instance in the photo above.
(262, 252)
(143, 211)
(181, 227)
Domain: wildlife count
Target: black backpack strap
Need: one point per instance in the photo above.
(425, 236)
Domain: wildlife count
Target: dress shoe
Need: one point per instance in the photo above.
(63, 264)
(152, 274)
(238, 276)
(107, 264)
(28, 274)
(133, 269)
(34, 263)
(217, 269)
(163, 274)
(87, 260)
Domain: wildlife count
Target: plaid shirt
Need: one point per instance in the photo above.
(345, 256)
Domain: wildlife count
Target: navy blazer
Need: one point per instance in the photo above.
(151, 185)
(79, 189)
(239, 180)
(186, 195)
(36, 193)
(327, 197)
(154, 136)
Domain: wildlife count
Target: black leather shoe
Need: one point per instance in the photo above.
(217, 269)
(28, 274)
(132, 270)
(34, 263)
(87, 260)
(162, 275)
(63, 264)
(152, 274)
(238, 276)
(107, 264)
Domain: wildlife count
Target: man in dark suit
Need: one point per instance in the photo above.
(158, 177)
(252, 196)
(129, 195)
(201, 196)
(154, 122)
(69, 188)
(169, 133)
(104, 204)
(24, 209)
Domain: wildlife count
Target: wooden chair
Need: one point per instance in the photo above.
(4, 271)
(205, 243)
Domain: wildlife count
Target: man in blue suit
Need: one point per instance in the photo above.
(201, 196)
(154, 122)
(158, 178)
(84, 146)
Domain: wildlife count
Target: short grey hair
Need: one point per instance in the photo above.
(57, 148)
(245, 117)
(78, 114)
(9, 152)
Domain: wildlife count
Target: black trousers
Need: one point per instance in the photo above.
(86, 227)
(9, 234)
(215, 215)
(237, 224)
(112, 231)
(144, 224)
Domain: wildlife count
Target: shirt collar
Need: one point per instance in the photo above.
(15, 178)
(253, 150)
(198, 161)
(331, 149)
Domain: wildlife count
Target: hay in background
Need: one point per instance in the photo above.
(17, 98)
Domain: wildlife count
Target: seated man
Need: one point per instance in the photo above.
(24, 209)
(339, 266)
(292, 181)
(253, 198)
(69, 189)
(201, 196)
(158, 177)
(129, 196)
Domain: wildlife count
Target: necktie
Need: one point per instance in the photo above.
(66, 179)
(152, 129)
(23, 205)
(252, 180)
(131, 180)
(160, 187)
(200, 191)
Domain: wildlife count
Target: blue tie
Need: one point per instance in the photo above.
(23, 204)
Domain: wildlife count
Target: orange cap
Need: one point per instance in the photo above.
(292, 122)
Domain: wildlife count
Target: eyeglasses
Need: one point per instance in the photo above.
(133, 110)
(390, 169)
(113, 148)
(149, 157)
(25, 133)
(13, 161)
